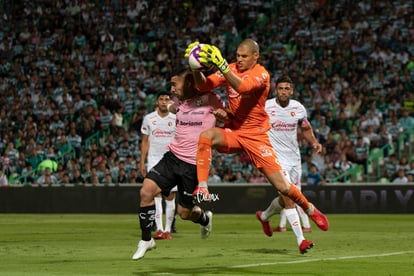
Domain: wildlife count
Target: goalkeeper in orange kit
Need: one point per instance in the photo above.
(247, 86)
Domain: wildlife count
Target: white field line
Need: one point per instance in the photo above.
(326, 259)
(297, 262)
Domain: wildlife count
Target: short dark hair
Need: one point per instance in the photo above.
(284, 78)
(162, 93)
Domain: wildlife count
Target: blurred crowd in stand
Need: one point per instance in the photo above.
(71, 69)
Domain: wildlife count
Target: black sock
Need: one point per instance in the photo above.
(203, 219)
(146, 220)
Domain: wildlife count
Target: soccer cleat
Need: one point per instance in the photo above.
(320, 219)
(167, 236)
(279, 229)
(306, 230)
(143, 247)
(159, 235)
(206, 230)
(267, 229)
(305, 245)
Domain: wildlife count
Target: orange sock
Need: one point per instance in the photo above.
(296, 195)
(203, 158)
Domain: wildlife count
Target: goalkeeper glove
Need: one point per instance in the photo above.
(201, 193)
(189, 48)
(211, 54)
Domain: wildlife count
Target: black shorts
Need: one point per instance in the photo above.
(171, 171)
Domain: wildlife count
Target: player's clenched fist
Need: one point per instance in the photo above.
(201, 194)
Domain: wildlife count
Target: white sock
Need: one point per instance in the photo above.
(293, 218)
(158, 213)
(304, 217)
(282, 223)
(272, 209)
(169, 214)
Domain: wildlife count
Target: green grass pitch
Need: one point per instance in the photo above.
(77, 244)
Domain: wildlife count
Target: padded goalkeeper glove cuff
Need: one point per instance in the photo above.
(223, 66)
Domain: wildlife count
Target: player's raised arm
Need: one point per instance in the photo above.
(212, 55)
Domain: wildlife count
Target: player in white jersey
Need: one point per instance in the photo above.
(158, 130)
(286, 115)
(194, 113)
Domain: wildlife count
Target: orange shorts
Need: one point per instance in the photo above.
(256, 145)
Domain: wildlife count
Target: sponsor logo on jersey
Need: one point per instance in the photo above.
(200, 112)
(182, 123)
(280, 125)
(162, 133)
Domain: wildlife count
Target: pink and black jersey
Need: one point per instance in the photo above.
(193, 117)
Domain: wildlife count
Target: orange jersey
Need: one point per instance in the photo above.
(247, 103)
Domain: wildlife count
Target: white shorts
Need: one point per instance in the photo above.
(293, 174)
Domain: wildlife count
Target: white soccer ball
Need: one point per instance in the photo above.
(194, 59)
